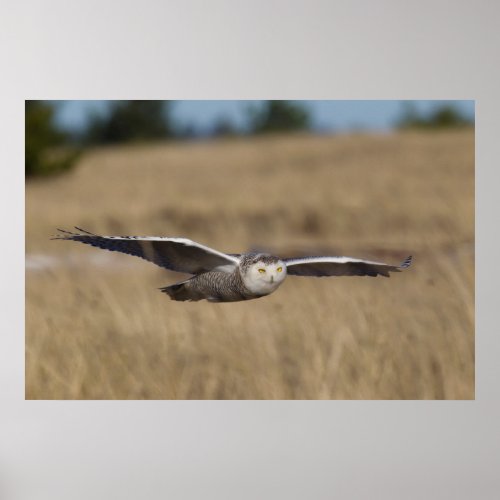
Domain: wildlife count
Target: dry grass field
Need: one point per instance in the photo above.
(98, 328)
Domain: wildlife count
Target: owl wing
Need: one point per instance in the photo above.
(177, 254)
(340, 266)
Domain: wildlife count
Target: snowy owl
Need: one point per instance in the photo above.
(221, 277)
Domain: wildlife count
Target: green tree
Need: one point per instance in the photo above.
(46, 150)
(445, 116)
(130, 121)
(279, 116)
(448, 116)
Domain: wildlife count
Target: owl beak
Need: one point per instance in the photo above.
(272, 279)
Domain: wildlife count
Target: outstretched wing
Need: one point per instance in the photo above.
(340, 266)
(177, 254)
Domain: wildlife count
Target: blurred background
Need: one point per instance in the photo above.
(370, 179)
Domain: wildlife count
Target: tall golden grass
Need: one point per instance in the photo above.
(98, 328)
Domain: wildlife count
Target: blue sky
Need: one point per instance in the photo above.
(334, 116)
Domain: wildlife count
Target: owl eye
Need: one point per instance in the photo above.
(262, 271)
(279, 269)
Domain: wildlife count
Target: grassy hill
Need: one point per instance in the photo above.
(98, 328)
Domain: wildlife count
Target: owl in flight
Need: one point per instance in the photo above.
(221, 277)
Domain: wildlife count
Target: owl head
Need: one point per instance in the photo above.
(263, 273)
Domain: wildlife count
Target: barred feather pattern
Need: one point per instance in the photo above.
(214, 286)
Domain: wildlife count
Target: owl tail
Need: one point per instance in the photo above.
(181, 291)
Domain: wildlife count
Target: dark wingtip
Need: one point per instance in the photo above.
(84, 231)
(406, 263)
(63, 235)
(68, 235)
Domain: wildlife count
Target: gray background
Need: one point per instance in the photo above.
(255, 50)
